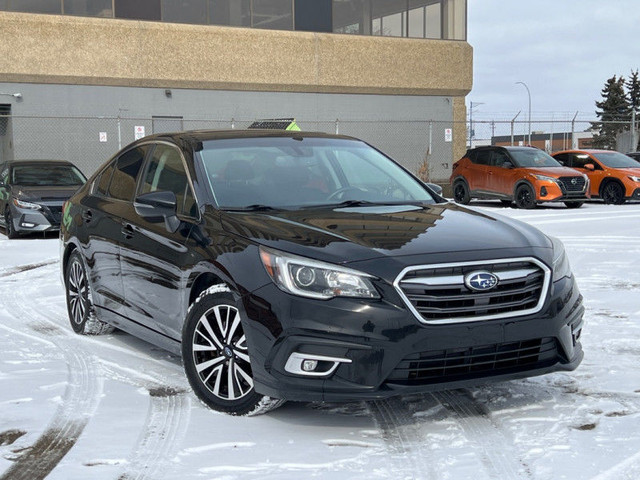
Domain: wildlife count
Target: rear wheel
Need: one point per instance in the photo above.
(573, 204)
(79, 302)
(216, 356)
(612, 193)
(461, 193)
(525, 198)
(8, 224)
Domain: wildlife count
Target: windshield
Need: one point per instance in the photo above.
(615, 160)
(284, 172)
(532, 157)
(41, 175)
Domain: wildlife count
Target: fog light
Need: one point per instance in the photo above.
(543, 192)
(309, 365)
(27, 225)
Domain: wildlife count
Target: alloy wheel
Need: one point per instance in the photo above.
(77, 289)
(524, 197)
(220, 353)
(612, 194)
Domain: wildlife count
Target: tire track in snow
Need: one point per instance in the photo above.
(495, 449)
(79, 401)
(165, 427)
(167, 417)
(401, 432)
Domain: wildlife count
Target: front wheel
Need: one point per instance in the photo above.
(525, 198)
(573, 204)
(612, 194)
(216, 356)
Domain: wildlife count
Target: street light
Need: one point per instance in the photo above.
(529, 94)
(472, 104)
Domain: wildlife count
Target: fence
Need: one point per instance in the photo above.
(420, 146)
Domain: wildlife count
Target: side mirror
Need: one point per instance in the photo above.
(507, 164)
(156, 207)
(590, 166)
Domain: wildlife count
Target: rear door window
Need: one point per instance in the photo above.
(483, 157)
(124, 179)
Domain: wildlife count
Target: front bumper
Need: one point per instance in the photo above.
(388, 352)
(46, 219)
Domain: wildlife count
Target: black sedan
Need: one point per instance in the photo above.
(304, 266)
(32, 193)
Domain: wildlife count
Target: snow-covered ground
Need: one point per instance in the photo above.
(115, 407)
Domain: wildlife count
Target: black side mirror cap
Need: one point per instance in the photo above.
(507, 164)
(156, 207)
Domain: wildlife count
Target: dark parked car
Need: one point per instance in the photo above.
(634, 155)
(304, 266)
(32, 193)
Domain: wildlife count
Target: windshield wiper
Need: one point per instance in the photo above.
(256, 207)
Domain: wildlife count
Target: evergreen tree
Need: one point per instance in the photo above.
(614, 107)
(633, 89)
(633, 93)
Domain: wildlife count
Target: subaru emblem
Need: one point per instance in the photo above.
(480, 281)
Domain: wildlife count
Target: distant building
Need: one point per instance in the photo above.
(549, 142)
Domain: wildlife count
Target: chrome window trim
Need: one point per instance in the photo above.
(447, 321)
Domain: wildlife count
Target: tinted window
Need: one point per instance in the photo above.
(123, 183)
(105, 179)
(37, 175)
(483, 157)
(579, 160)
(615, 160)
(272, 14)
(93, 8)
(184, 11)
(139, 10)
(230, 12)
(563, 158)
(313, 15)
(498, 157)
(165, 172)
(34, 6)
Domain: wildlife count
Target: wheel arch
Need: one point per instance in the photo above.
(205, 280)
(523, 181)
(606, 181)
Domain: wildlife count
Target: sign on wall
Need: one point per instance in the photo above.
(448, 134)
(138, 132)
(103, 137)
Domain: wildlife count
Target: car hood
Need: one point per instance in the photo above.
(555, 172)
(44, 194)
(345, 235)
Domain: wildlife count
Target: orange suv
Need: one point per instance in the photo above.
(524, 175)
(614, 177)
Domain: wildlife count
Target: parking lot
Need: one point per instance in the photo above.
(115, 407)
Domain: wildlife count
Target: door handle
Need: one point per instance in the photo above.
(127, 230)
(87, 215)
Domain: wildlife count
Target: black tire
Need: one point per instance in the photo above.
(573, 204)
(525, 197)
(612, 193)
(80, 308)
(8, 225)
(461, 192)
(213, 345)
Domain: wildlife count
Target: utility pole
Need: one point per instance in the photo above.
(529, 94)
(574, 144)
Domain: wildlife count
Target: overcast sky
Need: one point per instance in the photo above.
(564, 50)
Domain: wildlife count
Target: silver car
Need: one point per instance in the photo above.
(32, 193)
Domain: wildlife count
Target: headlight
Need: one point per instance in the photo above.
(546, 178)
(561, 267)
(634, 178)
(313, 279)
(28, 205)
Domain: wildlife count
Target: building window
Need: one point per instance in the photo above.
(138, 10)
(313, 15)
(389, 18)
(33, 6)
(89, 8)
(184, 11)
(352, 16)
(236, 13)
(455, 19)
(272, 14)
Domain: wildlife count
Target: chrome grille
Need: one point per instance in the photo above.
(438, 294)
(483, 360)
(573, 184)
